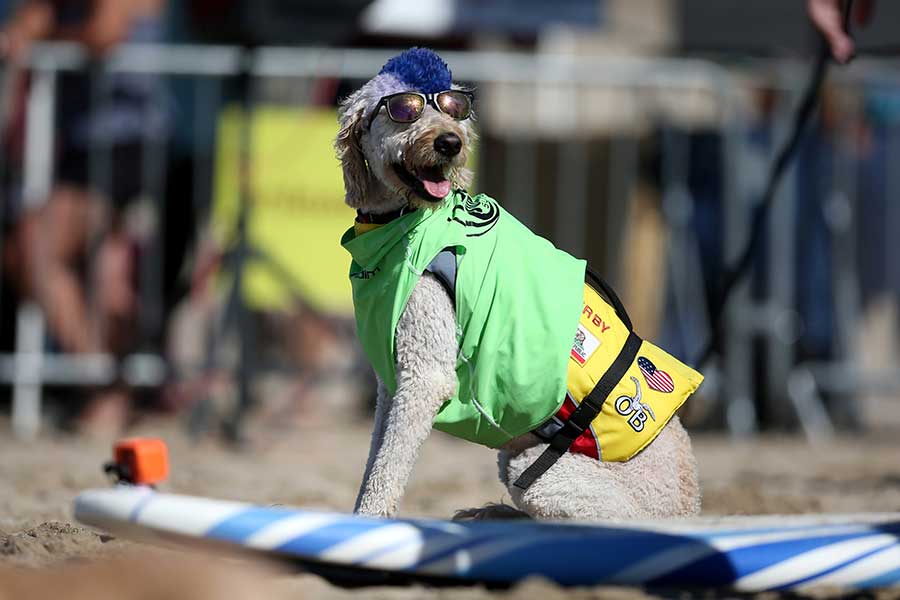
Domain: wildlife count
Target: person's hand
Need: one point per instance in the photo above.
(827, 16)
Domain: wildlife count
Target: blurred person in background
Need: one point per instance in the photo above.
(89, 308)
(810, 189)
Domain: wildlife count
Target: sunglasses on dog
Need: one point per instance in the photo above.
(407, 107)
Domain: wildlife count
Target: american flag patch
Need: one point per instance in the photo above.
(657, 380)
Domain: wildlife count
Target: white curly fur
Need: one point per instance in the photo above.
(661, 481)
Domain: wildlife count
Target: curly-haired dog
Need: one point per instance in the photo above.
(469, 318)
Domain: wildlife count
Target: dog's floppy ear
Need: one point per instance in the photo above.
(349, 152)
(461, 177)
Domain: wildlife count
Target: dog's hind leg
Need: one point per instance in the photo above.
(426, 377)
(660, 481)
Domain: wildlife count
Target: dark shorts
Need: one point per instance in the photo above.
(117, 172)
(114, 167)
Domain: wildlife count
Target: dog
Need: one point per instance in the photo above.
(469, 319)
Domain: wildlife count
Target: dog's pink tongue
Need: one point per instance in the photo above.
(438, 189)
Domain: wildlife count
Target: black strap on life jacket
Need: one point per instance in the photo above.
(582, 417)
(593, 278)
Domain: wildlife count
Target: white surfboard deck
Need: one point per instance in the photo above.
(858, 551)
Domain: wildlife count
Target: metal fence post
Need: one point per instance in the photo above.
(26, 404)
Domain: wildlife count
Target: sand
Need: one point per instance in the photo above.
(42, 549)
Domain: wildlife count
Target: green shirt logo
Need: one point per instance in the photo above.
(480, 213)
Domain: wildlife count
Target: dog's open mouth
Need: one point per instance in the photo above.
(429, 182)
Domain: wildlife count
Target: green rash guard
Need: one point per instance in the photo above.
(518, 303)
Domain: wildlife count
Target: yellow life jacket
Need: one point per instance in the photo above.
(621, 390)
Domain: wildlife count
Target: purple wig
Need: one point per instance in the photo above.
(421, 69)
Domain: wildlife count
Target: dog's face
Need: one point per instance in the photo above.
(388, 164)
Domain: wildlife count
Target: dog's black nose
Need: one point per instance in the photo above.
(448, 144)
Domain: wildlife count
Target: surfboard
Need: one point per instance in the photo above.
(857, 551)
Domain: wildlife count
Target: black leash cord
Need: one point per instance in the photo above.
(740, 268)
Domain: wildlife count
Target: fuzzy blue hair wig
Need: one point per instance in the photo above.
(421, 69)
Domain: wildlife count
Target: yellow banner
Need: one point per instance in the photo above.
(297, 206)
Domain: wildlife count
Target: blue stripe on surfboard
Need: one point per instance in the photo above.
(312, 543)
(725, 567)
(139, 506)
(475, 536)
(464, 544)
(846, 563)
(239, 527)
(875, 529)
(568, 565)
(564, 558)
(439, 541)
(714, 534)
(428, 534)
(823, 528)
(884, 580)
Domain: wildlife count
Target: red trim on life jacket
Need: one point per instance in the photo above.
(586, 443)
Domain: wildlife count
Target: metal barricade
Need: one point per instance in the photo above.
(761, 327)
